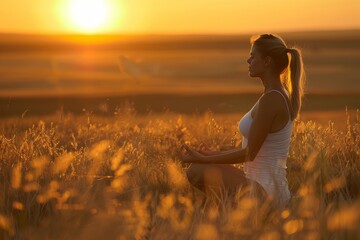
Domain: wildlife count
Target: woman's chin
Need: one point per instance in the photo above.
(252, 74)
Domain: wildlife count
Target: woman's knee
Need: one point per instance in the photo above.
(204, 174)
(195, 173)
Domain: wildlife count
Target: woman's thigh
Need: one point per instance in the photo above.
(223, 178)
(217, 175)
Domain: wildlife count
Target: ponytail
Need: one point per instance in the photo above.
(297, 80)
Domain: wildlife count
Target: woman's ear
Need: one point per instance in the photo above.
(267, 61)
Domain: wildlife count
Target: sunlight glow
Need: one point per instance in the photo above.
(89, 15)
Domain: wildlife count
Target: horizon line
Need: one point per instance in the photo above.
(179, 34)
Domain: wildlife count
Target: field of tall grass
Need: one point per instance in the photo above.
(121, 177)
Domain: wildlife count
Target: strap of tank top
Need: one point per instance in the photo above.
(287, 106)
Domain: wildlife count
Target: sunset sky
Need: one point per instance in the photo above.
(176, 17)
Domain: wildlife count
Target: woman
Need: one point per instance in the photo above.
(266, 128)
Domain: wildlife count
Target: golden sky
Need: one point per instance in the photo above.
(176, 16)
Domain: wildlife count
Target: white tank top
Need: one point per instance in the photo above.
(269, 166)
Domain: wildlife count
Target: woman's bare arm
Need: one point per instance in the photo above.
(210, 152)
(237, 155)
(262, 122)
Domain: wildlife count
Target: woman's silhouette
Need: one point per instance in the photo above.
(266, 128)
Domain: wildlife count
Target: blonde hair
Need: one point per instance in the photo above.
(292, 75)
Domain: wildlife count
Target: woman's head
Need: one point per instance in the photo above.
(276, 56)
(274, 48)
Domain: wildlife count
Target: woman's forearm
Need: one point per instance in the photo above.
(237, 155)
(209, 153)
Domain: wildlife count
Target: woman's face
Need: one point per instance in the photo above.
(256, 63)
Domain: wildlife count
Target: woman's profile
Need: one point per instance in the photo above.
(266, 128)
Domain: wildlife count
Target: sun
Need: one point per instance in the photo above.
(89, 16)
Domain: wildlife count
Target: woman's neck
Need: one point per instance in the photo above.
(271, 82)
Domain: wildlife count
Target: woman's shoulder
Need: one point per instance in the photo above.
(267, 106)
(275, 102)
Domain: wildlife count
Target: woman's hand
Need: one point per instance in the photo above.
(193, 156)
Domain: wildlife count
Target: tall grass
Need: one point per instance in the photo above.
(121, 177)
